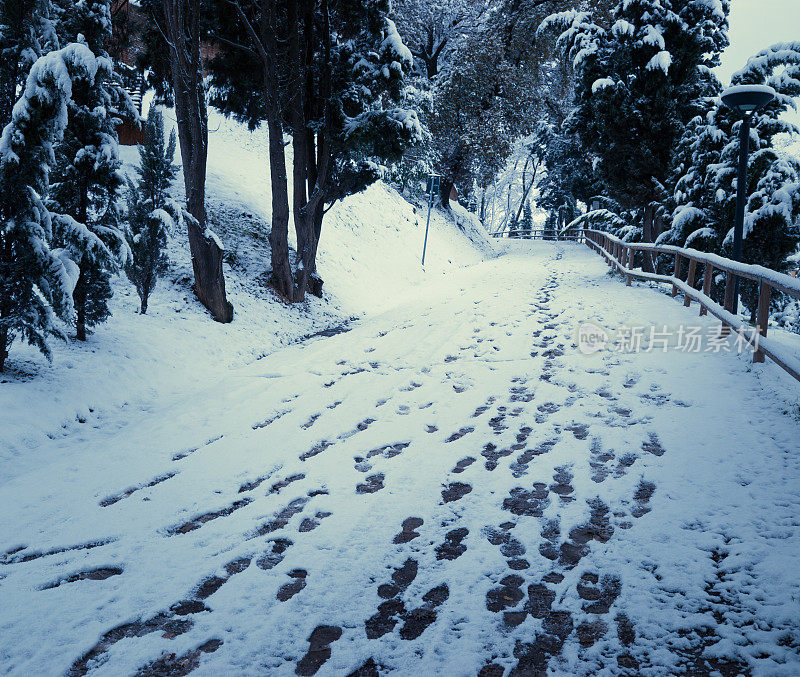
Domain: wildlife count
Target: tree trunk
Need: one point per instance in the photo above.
(183, 33)
(445, 186)
(278, 235)
(79, 300)
(79, 294)
(647, 236)
(3, 347)
(303, 224)
(658, 227)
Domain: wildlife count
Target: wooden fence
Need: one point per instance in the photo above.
(694, 287)
(541, 234)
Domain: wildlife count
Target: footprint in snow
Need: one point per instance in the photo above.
(463, 464)
(290, 589)
(419, 619)
(374, 483)
(453, 547)
(409, 530)
(455, 491)
(319, 650)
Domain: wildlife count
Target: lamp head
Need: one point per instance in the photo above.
(746, 99)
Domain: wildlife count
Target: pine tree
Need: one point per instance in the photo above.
(151, 212)
(36, 279)
(331, 74)
(526, 224)
(26, 33)
(86, 179)
(704, 200)
(642, 75)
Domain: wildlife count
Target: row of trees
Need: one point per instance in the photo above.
(64, 230)
(327, 73)
(658, 150)
(609, 105)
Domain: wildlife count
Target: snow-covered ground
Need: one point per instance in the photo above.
(134, 365)
(451, 487)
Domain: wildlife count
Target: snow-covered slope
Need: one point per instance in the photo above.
(369, 259)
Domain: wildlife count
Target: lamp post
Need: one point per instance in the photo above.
(433, 186)
(745, 100)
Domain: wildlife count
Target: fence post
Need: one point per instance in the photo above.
(708, 275)
(675, 273)
(764, 292)
(730, 295)
(629, 264)
(687, 301)
(730, 286)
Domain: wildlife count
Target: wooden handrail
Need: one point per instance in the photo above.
(539, 234)
(615, 251)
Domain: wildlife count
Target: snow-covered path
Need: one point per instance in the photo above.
(450, 488)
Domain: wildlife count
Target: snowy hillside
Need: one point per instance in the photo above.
(369, 259)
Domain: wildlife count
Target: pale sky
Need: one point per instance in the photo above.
(754, 25)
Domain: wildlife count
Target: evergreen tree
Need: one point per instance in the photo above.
(526, 224)
(86, 179)
(704, 200)
(642, 75)
(151, 213)
(36, 279)
(331, 74)
(26, 33)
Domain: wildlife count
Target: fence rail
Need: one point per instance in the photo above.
(540, 234)
(620, 255)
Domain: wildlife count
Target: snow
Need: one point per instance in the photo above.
(393, 44)
(369, 259)
(211, 235)
(686, 214)
(622, 27)
(741, 89)
(700, 234)
(655, 38)
(714, 5)
(602, 83)
(662, 60)
(219, 498)
(449, 407)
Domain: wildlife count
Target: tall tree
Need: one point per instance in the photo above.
(704, 198)
(36, 279)
(433, 29)
(495, 95)
(328, 72)
(151, 212)
(26, 32)
(642, 75)
(86, 178)
(182, 31)
(473, 121)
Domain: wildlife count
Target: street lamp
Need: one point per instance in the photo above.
(745, 100)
